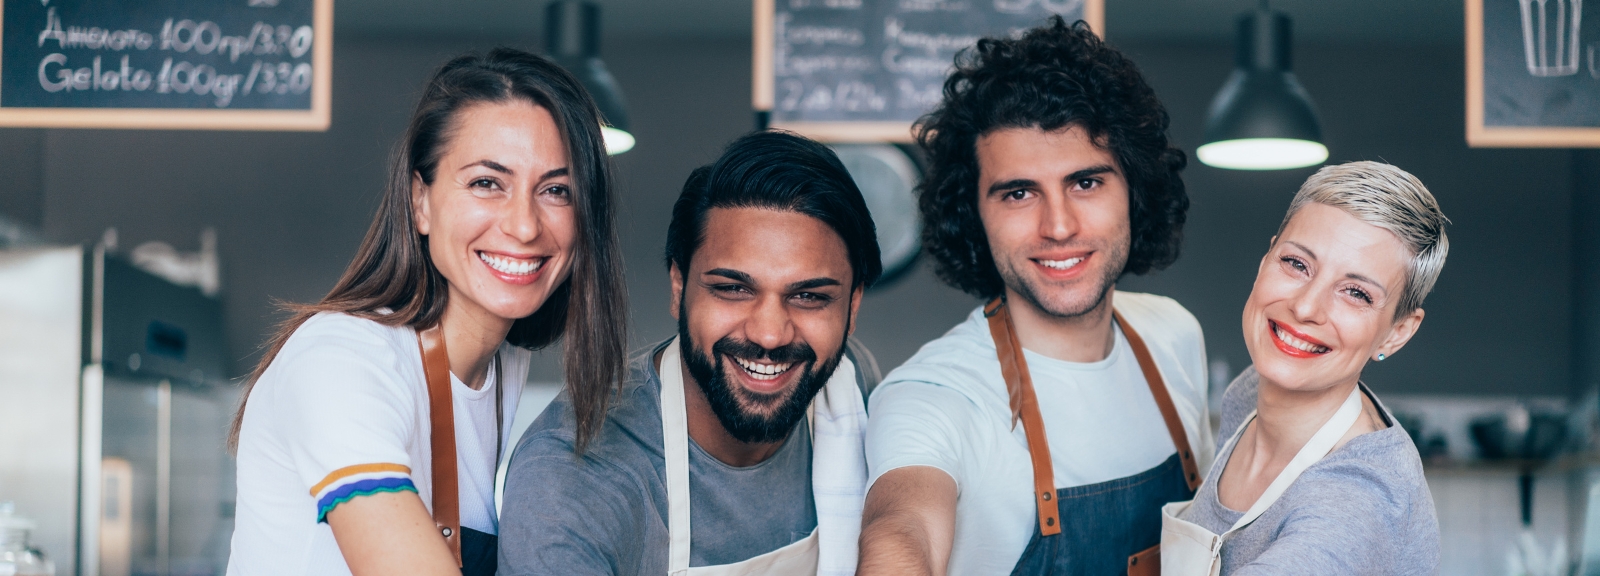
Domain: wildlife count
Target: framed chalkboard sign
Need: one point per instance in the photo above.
(864, 70)
(184, 64)
(1533, 74)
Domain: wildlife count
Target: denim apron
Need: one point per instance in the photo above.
(1115, 526)
(477, 553)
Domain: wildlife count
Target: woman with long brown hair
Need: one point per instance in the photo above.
(372, 426)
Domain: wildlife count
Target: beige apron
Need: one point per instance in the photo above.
(797, 558)
(1188, 549)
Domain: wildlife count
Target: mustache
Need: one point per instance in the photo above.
(795, 352)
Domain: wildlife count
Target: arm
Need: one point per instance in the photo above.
(909, 522)
(390, 533)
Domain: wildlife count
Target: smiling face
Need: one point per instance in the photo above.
(1324, 301)
(763, 315)
(499, 216)
(1054, 206)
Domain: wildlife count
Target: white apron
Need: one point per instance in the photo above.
(1188, 549)
(795, 559)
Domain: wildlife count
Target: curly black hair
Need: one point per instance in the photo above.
(1052, 77)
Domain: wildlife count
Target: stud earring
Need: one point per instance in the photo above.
(1381, 356)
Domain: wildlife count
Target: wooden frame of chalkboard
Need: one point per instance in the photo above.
(764, 95)
(1495, 116)
(315, 118)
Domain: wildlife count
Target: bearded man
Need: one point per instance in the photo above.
(753, 416)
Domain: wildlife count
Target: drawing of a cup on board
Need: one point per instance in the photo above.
(1550, 36)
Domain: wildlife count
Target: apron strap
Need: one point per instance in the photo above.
(1317, 447)
(675, 448)
(1158, 389)
(442, 437)
(1025, 406)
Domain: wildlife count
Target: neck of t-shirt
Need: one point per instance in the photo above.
(1082, 338)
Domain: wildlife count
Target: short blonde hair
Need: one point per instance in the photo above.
(1392, 199)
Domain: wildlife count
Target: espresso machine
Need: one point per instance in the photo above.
(114, 412)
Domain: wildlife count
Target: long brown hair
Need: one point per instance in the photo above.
(392, 269)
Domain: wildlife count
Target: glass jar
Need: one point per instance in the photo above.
(16, 557)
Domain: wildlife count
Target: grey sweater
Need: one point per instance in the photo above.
(1363, 509)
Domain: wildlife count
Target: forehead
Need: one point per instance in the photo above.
(1006, 151)
(1342, 240)
(514, 130)
(771, 245)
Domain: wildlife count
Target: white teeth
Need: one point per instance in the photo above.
(761, 371)
(1298, 343)
(513, 266)
(1061, 264)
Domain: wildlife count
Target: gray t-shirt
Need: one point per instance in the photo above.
(1363, 509)
(606, 513)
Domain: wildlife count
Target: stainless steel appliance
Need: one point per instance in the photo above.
(114, 408)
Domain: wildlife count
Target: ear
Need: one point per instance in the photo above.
(421, 211)
(676, 278)
(855, 306)
(1401, 333)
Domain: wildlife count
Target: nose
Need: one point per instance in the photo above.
(523, 220)
(769, 325)
(1059, 220)
(1310, 305)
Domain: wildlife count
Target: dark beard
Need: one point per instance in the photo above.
(783, 409)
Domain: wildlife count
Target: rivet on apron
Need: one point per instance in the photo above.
(447, 532)
(1049, 521)
(1133, 561)
(1045, 495)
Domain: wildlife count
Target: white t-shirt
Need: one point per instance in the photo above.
(342, 412)
(948, 408)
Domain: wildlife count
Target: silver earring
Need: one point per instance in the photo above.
(1381, 356)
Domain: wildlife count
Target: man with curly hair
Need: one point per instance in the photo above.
(1044, 433)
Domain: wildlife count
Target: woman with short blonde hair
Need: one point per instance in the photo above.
(1318, 477)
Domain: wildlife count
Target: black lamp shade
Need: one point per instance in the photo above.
(1262, 118)
(572, 39)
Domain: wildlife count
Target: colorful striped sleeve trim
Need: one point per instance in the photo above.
(346, 492)
(350, 482)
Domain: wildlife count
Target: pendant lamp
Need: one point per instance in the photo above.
(1262, 119)
(572, 39)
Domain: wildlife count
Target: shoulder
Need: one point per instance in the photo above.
(630, 432)
(1237, 401)
(956, 360)
(338, 333)
(1161, 317)
(1378, 475)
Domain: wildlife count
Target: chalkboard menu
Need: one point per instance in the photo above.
(864, 70)
(193, 64)
(1533, 74)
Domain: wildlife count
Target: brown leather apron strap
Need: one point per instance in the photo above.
(1024, 405)
(442, 437)
(1169, 412)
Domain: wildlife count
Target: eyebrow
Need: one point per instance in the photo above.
(492, 165)
(731, 274)
(814, 283)
(738, 276)
(501, 168)
(1352, 275)
(1090, 171)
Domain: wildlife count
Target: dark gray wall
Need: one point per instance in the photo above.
(290, 208)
